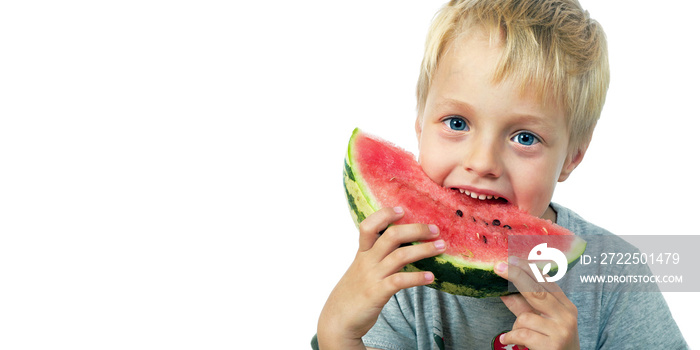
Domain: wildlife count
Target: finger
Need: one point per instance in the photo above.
(398, 235)
(543, 297)
(539, 332)
(535, 322)
(520, 274)
(517, 304)
(527, 270)
(533, 293)
(398, 258)
(371, 226)
(525, 337)
(402, 280)
(550, 287)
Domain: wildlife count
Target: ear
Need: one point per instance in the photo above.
(573, 159)
(419, 127)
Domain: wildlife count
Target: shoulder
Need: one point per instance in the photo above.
(592, 233)
(575, 223)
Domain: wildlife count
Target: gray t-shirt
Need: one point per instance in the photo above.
(609, 316)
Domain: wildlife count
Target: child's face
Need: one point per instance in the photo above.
(489, 140)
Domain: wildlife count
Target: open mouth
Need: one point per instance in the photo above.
(482, 197)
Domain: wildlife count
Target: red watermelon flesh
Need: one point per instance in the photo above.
(475, 231)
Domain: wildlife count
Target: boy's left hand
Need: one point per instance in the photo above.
(545, 317)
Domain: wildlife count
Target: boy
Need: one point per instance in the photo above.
(508, 97)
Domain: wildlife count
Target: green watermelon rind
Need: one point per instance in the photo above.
(360, 202)
(452, 274)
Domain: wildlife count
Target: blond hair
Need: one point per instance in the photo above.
(551, 46)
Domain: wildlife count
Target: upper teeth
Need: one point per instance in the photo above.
(477, 196)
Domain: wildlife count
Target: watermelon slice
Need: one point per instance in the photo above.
(378, 174)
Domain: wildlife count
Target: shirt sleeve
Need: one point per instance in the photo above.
(641, 319)
(638, 317)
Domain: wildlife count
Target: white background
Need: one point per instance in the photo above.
(171, 170)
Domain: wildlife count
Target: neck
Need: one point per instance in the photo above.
(550, 214)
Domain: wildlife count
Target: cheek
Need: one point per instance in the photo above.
(431, 167)
(536, 190)
(434, 163)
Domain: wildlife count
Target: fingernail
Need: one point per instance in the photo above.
(501, 267)
(513, 260)
(398, 210)
(501, 338)
(439, 244)
(434, 229)
(429, 276)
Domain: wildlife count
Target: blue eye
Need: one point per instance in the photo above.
(456, 123)
(526, 138)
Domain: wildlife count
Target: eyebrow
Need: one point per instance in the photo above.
(533, 119)
(452, 103)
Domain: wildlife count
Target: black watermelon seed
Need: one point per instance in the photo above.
(484, 238)
(473, 219)
(496, 222)
(459, 212)
(508, 227)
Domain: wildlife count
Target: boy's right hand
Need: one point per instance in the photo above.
(374, 277)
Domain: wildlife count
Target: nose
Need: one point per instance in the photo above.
(484, 158)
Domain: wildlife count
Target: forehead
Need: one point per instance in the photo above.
(505, 62)
(465, 77)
